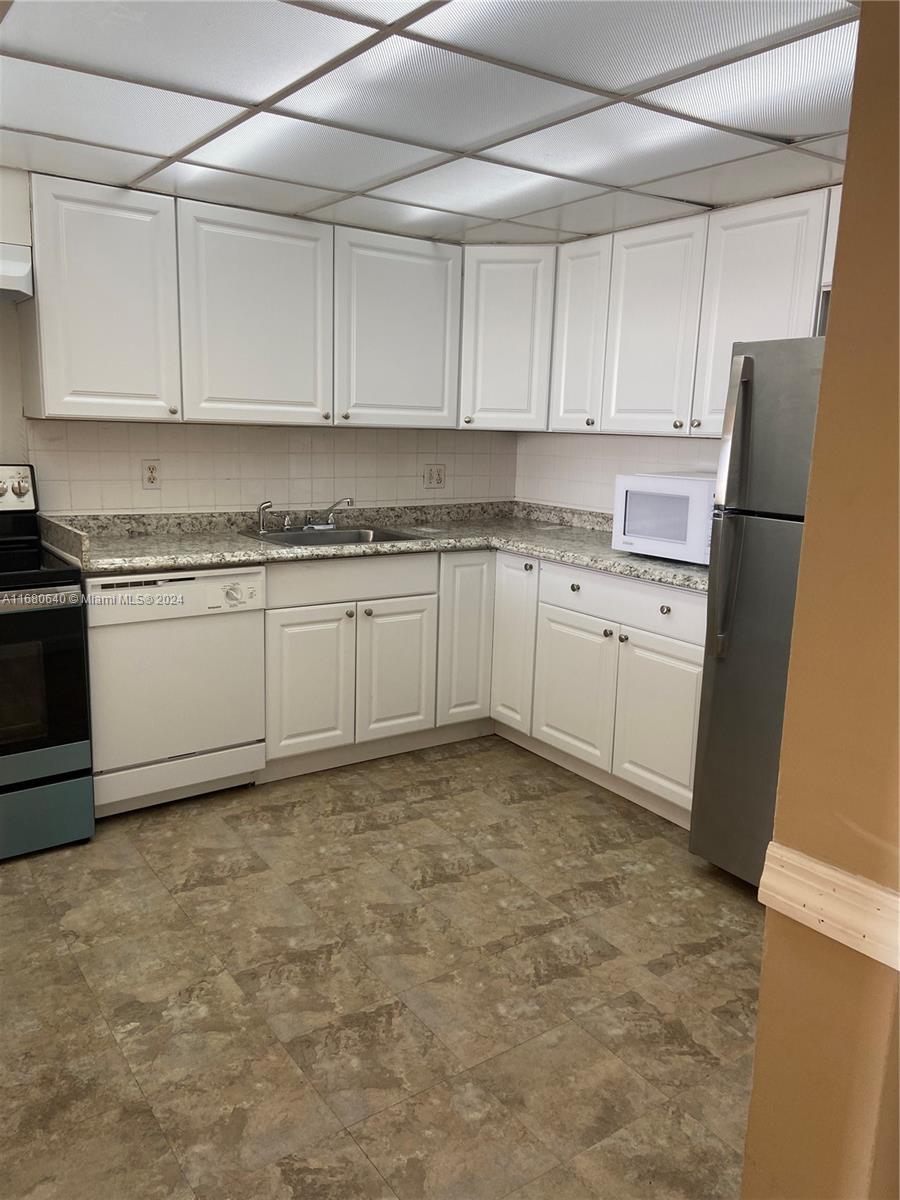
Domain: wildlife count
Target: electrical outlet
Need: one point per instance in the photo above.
(150, 475)
(435, 475)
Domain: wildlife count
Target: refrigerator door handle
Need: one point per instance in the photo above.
(727, 546)
(728, 478)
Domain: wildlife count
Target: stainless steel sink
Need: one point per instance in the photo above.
(330, 537)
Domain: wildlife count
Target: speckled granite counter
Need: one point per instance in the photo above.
(121, 545)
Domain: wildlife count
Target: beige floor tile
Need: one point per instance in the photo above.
(722, 1101)
(353, 897)
(495, 910)
(559, 1184)
(411, 946)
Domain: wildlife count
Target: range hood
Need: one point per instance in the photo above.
(15, 272)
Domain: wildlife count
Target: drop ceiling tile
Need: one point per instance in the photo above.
(367, 213)
(775, 174)
(406, 89)
(193, 182)
(622, 46)
(486, 189)
(44, 99)
(614, 210)
(240, 51)
(506, 232)
(795, 91)
(833, 147)
(623, 145)
(73, 160)
(380, 12)
(303, 152)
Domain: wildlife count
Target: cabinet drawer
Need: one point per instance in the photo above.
(330, 581)
(626, 601)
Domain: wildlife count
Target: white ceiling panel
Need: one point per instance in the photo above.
(240, 50)
(511, 232)
(409, 90)
(795, 91)
(74, 160)
(487, 189)
(623, 44)
(194, 182)
(775, 174)
(369, 213)
(302, 152)
(624, 145)
(832, 147)
(93, 109)
(614, 210)
(381, 12)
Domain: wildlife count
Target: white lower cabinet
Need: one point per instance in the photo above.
(515, 618)
(396, 651)
(464, 638)
(657, 707)
(575, 684)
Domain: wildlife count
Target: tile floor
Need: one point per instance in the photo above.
(459, 974)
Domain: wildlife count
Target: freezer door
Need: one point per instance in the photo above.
(753, 578)
(770, 417)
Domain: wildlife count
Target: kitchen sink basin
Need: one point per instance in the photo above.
(330, 537)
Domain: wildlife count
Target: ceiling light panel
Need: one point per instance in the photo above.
(51, 100)
(302, 152)
(368, 213)
(622, 45)
(485, 189)
(504, 232)
(240, 50)
(410, 90)
(795, 91)
(775, 174)
(623, 145)
(193, 182)
(604, 214)
(73, 160)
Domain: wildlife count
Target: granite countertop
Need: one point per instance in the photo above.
(126, 545)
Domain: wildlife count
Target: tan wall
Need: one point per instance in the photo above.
(823, 1117)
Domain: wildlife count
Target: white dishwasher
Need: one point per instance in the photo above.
(177, 680)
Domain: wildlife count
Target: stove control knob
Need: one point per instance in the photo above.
(233, 594)
(20, 487)
(4, 487)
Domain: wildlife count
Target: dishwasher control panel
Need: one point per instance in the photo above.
(236, 592)
(126, 599)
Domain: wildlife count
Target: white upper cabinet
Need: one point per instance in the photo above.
(763, 265)
(654, 317)
(834, 216)
(256, 316)
(396, 353)
(507, 328)
(579, 334)
(103, 329)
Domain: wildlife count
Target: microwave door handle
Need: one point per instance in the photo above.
(726, 549)
(737, 413)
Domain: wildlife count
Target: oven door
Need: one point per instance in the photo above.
(44, 721)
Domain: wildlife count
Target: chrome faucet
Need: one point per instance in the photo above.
(261, 511)
(325, 519)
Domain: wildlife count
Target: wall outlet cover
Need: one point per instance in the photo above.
(435, 475)
(151, 480)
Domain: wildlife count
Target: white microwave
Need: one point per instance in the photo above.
(668, 516)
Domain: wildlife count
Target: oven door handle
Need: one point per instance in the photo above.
(22, 600)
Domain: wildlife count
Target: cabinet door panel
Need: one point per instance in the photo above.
(396, 330)
(575, 684)
(515, 617)
(507, 327)
(657, 708)
(654, 317)
(310, 673)
(831, 234)
(107, 302)
(763, 263)
(464, 640)
(579, 336)
(396, 658)
(256, 316)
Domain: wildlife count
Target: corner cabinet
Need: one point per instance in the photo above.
(396, 350)
(464, 640)
(763, 265)
(507, 331)
(579, 335)
(101, 336)
(256, 316)
(515, 619)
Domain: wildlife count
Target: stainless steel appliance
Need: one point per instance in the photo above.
(760, 500)
(46, 793)
(667, 516)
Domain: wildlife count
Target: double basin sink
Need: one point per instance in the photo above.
(330, 537)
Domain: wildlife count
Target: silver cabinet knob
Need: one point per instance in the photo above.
(20, 487)
(589, 421)
(326, 416)
(678, 424)
(696, 423)
(350, 613)
(665, 609)
(173, 409)
(607, 633)
(576, 587)
(529, 567)
(368, 612)
(345, 416)
(4, 487)
(623, 637)
(468, 420)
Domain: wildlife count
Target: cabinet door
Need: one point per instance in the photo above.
(465, 636)
(515, 617)
(761, 283)
(256, 313)
(657, 706)
(310, 673)
(834, 216)
(579, 334)
(396, 352)
(507, 327)
(575, 683)
(396, 656)
(107, 302)
(654, 318)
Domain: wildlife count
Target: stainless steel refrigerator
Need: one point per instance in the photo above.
(760, 501)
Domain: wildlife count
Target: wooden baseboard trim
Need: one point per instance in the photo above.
(846, 908)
